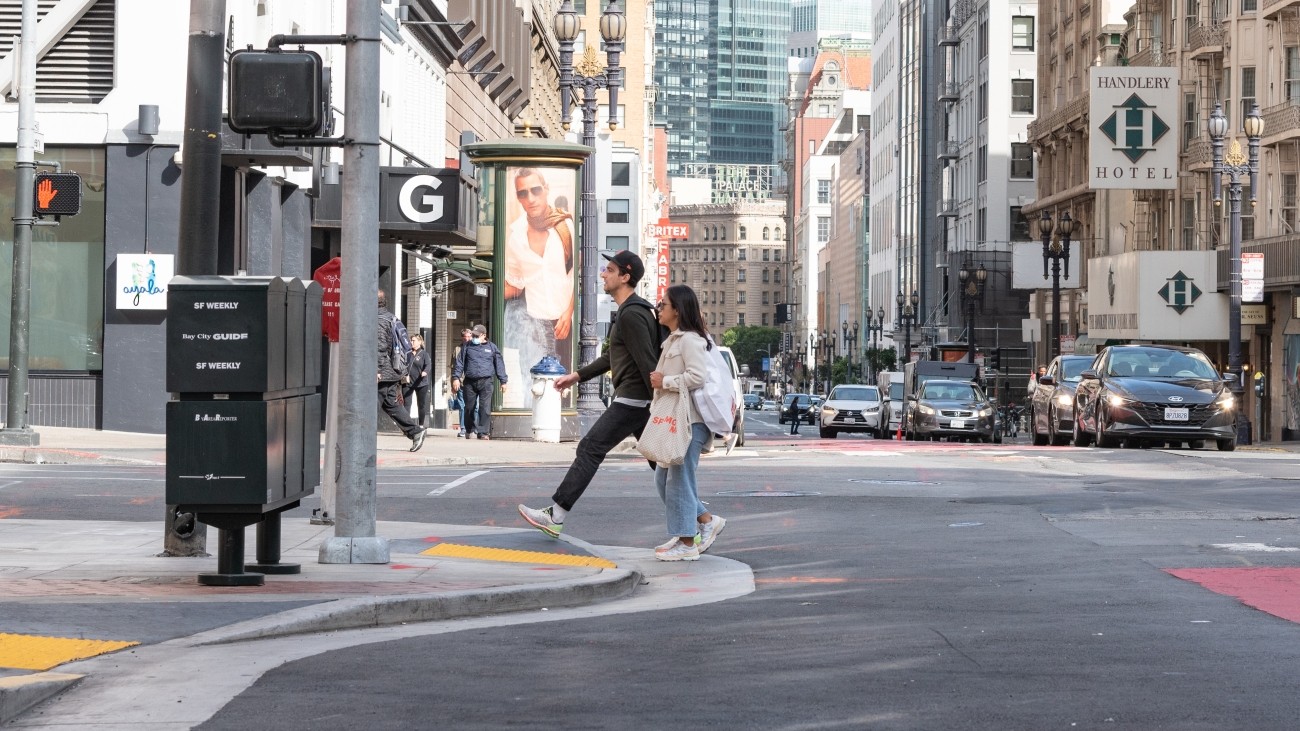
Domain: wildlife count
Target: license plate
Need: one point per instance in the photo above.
(1175, 414)
(958, 423)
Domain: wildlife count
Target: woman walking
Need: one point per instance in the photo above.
(682, 367)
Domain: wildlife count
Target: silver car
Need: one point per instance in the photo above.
(953, 409)
(850, 407)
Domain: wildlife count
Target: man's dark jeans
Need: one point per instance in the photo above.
(388, 400)
(619, 422)
(478, 405)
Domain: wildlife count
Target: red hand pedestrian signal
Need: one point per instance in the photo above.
(58, 194)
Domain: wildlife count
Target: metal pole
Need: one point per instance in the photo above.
(354, 538)
(200, 214)
(1056, 306)
(16, 431)
(1234, 309)
(590, 406)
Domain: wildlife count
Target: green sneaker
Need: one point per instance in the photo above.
(541, 520)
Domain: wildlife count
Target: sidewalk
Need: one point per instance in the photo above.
(76, 589)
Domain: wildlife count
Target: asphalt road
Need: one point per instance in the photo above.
(899, 586)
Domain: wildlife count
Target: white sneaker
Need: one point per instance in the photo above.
(709, 532)
(679, 552)
(669, 543)
(541, 520)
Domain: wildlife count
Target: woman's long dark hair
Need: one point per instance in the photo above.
(689, 319)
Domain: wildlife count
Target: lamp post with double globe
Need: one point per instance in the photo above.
(1056, 251)
(1235, 165)
(587, 77)
(907, 313)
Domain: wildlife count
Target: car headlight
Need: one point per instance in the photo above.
(986, 411)
(1064, 399)
(1115, 400)
(830, 410)
(1226, 402)
(871, 409)
(927, 410)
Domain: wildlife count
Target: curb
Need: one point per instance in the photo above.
(19, 693)
(46, 455)
(359, 613)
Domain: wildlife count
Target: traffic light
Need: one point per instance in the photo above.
(782, 314)
(995, 359)
(58, 194)
(285, 92)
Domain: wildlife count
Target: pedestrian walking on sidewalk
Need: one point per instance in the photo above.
(682, 368)
(633, 351)
(417, 382)
(457, 400)
(480, 361)
(390, 380)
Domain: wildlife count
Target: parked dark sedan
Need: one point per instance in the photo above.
(1152, 394)
(1051, 411)
(954, 409)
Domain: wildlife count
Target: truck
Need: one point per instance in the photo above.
(918, 372)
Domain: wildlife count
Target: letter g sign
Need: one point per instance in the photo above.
(406, 200)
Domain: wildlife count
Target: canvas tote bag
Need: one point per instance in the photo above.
(667, 435)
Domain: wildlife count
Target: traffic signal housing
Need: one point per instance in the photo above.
(274, 91)
(57, 194)
(995, 359)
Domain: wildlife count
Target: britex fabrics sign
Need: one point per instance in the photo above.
(1133, 139)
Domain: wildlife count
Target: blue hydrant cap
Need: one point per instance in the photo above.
(549, 365)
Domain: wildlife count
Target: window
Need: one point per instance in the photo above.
(767, 233)
(1247, 91)
(1189, 225)
(765, 319)
(1289, 201)
(982, 164)
(706, 232)
(1022, 161)
(778, 233)
(765, 293)
(776, 276)
(823, 229)
(740, 275)
(616, 243)
(767, 253)
(983, 100)
(823, 191)
(620, 173)
(724, 233)
(740, 319)
(1022, 96)
(776, 255)
(1292, 81)
(722, 276)
(1249, 6)
(1019, 228)
(743, 234)
(740, 254)
(740, 296)
(1190, 126)
(1022, 32)
(767, 276)
(617, 210)
(984, 38)
(66, 323)
(982, 224)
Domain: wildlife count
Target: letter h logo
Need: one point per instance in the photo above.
(1134, 127)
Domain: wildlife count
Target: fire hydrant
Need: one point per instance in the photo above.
(546, 399)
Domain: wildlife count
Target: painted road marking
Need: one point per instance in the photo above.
(1260, 547)
(458, 482)
(454, 550)
(10, 484)
(31, 652)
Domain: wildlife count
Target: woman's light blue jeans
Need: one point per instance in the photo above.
(677, 489)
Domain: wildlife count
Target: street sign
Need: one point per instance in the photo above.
(767, 364)
(1252, 276)
(1067, 345)
(58, 194)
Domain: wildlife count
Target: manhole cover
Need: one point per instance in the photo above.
(767, 493)
(894, 482)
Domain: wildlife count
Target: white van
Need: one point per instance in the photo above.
(739, 426)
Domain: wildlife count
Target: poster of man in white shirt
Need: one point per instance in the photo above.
(539, 286)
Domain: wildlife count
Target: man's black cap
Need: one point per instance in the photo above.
(628, 263)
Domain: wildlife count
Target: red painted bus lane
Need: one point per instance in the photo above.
(1272, 590)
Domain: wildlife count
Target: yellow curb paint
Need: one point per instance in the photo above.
(31, 652)
(454, 550)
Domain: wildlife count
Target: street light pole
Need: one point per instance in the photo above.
(972, 289)
(907, 312)
(587, 75)
(1235, 165)
(850, 342)
(1058, 253)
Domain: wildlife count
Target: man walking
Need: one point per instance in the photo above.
(457, 400)
(632, 355)
(479, 361)
(389, 378)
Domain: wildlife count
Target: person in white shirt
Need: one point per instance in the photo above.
(539, 276)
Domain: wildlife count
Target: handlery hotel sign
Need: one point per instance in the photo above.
(1133, 140)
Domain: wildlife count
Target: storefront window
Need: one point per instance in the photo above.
(67, 283)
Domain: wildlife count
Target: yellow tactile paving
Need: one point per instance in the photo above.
(32, 652)
(508, 556)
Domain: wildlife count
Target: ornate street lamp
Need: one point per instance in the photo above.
(907, 313)
(850, 340)
(801, 355)
(972, 290)
(828, 345)
(874, 329)
(1058, 253)
(586, 76)
(1235, 165)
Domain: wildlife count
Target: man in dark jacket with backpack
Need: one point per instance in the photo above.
(479, 361)
(633, 353)
(390, 378)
